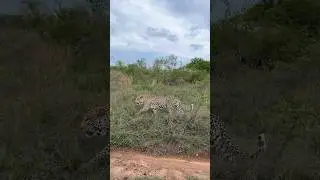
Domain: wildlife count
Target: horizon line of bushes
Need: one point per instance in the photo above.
(166, 69)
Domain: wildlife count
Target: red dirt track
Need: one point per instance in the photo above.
(129, 164)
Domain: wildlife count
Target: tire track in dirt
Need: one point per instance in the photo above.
(129, 164)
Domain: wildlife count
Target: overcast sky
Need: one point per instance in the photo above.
(151, 28)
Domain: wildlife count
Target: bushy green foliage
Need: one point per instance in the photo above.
(53, 68)
(155, 133)
(165, 69)
(303, 13)
(199, 64)
(76, 28)
(46, 92)
(282, 101)
(262, 37)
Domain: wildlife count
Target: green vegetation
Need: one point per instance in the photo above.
(53, 68)
(192, 178)
(153, 133)
(48, 81)
(266, 78)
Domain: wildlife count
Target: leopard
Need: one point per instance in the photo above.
(96, 123)
(224, 148)
(155, 103)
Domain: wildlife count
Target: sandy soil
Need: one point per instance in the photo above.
(128, 165)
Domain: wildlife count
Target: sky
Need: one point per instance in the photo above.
(150, 28)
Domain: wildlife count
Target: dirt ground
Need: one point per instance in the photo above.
(130, 165)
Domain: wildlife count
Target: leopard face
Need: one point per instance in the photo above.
(140, 99)
(95, 122)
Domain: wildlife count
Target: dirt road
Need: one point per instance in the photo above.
(130, 165)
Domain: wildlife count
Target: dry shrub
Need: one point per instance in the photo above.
(119, 81)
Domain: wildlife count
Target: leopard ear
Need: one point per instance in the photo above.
(139, 96)
(102, 110)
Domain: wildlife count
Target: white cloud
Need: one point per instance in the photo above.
(130, 20)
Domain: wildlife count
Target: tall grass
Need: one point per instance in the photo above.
(266, 79)
(154, 134)
(52, 69)
(46, 86)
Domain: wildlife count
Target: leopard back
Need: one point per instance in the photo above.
(225, 149)
(163, 103)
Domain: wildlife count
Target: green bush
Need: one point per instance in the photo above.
(197, 70)
(282, 102)
(78, 28)
(48, 87)
(265, 36)
(303, 13)
(198, 64)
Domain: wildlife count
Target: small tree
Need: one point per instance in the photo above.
(120, 64)
(199, 64)
(142, 63)
(165, 63)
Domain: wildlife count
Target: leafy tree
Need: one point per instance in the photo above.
(165, 63)
(120, 64)
(142, 63)
(199, 64)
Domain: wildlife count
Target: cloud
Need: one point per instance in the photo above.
(162, 27)
(196, 46)
(162, 32)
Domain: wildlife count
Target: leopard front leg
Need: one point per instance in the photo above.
(154, 111)
(153, 108)
(100, 159)
(145, 108)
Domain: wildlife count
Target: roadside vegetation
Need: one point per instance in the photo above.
(190, 83)
(52, 69)
(266, 79)
(54, 66)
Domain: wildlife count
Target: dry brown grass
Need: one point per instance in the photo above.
(119, 81)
